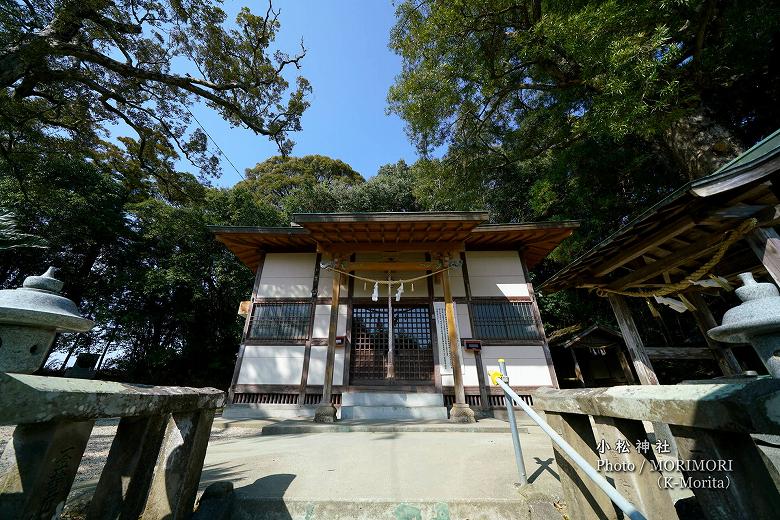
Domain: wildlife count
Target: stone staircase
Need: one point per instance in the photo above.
(392, 405)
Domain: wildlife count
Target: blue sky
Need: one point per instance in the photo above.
(350, 69)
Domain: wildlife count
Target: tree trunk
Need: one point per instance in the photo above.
(700, 145)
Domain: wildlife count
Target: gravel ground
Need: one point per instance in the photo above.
(95, 457)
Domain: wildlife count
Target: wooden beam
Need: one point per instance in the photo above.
(392, 266)
(381, 247)
(705, 320)
(656, 268)
(638, 249)
(680, 353)
(765, 243)
(636, 349)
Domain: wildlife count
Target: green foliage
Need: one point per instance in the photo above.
(77, 67)
(391, 189)
(276, 177)
(520, 78)
(11, 237)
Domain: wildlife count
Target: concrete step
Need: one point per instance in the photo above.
(393, 412)
(245, 507)
(391, 399)
(268, 411)
(392, 405)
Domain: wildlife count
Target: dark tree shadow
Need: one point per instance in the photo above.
(265, 497)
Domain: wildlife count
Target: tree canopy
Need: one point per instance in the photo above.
(78, 66)
(522, 78)
(276, 177)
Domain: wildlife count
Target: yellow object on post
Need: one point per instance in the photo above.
(495, 374)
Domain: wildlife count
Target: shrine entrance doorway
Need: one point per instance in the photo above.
(412, 345)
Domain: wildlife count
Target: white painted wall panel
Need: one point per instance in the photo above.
(464, 325)
(495, 273)
(322, 321)
(317, 365)
(287, 275)
(526, 365)
(325, 285)
(271, 365)
(470, 377)
(341, 326)
(457, 286)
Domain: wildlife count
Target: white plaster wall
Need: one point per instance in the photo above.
(271, 365)
(496, 273)
(317, 365)
(322, 321)
(526, 364)
(287, 275)
(470, 377)
(457, 286)
(464, 325)
(325, 284)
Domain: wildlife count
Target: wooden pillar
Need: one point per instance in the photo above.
(577, 369)
(434, 336)
(705, 320)
(626, 367)
(247, 324)
(484, 394)
(348, 342)
(460, 411)
(484, 397)
(636, 349)
(326, 412)
(310, 331)
(765, 242)
(539, 323)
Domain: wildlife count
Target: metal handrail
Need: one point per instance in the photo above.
(502, 379)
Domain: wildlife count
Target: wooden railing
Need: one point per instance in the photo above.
(153, 466)
(730, 476)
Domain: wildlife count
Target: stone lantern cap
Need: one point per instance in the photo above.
(38, 303)
(758, 315)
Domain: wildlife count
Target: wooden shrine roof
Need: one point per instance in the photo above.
(412, 231)
(577, 337)
(672, 239)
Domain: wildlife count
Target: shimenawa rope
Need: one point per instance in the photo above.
(734, 235)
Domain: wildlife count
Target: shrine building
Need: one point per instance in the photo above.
(372, 303)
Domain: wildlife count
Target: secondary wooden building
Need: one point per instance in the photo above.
(590, 357)
(691, 244)
(329, 322)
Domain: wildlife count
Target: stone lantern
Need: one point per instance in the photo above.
(755, 321)
(30, 316)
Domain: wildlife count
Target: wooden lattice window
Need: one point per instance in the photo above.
(280, 321)
(504, 320)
